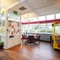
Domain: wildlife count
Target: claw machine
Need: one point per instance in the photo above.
(56, 35)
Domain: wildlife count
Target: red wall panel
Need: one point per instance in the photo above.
(46, 21)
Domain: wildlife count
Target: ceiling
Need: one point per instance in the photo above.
(6, 3)
(16, 8)
(29, 15)
(43, 7)
(33, 7)
(38, 4)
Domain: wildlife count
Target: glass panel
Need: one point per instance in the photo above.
(58, 29)
(34, 28)
(30, 28)
(49, 28)
(2, 24)
(22, 20)
(2, 27)
(2, 18)
(58, 16)
(34, 19)
(42, 28)
(26, 20)
(24, 28)
(41, 18)
(17, 18)
(10, 16)
(49, 17)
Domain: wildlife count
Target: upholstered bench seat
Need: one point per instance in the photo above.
(1, 44)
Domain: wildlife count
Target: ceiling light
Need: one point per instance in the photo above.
(44, 0)
(2, 11)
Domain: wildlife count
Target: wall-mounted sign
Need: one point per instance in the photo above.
(15, 12)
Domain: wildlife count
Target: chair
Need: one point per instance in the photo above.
(38, 38)
(23, 37)
(31, 39)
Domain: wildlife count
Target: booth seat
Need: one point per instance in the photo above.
(1, 44)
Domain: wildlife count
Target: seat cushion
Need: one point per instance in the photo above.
(1, 42)
(23, 36)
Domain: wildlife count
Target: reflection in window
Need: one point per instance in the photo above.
(58, 16)
(49, 17)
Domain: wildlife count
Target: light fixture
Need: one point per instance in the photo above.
(44, 0)
(2, 11)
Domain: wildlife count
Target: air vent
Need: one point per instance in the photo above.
(22, 8)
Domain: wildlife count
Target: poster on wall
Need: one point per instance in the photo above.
(11, 29)
(18, 28)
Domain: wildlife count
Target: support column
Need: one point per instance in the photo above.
(20, 30)
(6, 33)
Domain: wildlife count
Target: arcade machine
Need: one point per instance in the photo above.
(56, 36)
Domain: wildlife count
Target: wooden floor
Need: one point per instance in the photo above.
(42, 51)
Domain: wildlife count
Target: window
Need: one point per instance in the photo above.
(58, 16)
(34, 28)
(10, 16)
(29, 20)
(41, 18)
(49, 17)
(22, 20)
(45, 28)
(17, 18)
(42, 28)
(26, 20)
(2, 27)
(30, 28)
(25, 28)
(57, 29)
(2, 17)
(34, 19)
(49, 28)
